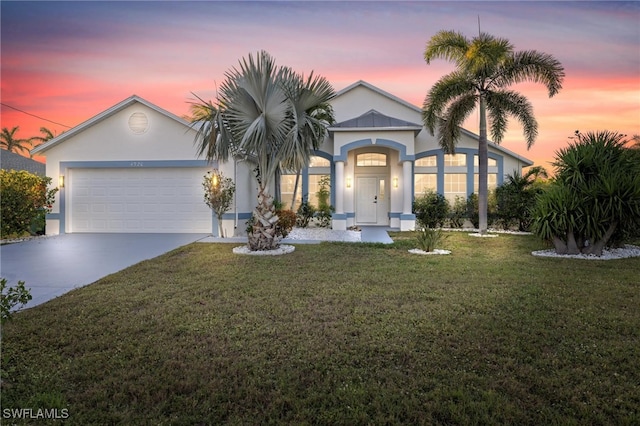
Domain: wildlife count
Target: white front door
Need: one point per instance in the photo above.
(371, 200)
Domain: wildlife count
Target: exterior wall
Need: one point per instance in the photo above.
(361, 99)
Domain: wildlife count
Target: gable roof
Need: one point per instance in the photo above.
(12, 161)
(102, 116)
(375, 119)
(362, 83)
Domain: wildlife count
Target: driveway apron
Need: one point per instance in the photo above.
(52, 266)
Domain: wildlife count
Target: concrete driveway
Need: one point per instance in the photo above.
(52, 266)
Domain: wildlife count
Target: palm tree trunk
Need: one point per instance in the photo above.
(482, 168)
(263, 234)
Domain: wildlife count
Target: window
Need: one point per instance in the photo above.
(371, 159)
(430, 161)
(314, 185)
(287, 183)
(424, 182)
(455, 184)
(455, 160)
(492, 181)
(319, 162)
(491, 161)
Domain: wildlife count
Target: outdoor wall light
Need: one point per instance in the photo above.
(348, 182)
(395, 182)
(61, 181)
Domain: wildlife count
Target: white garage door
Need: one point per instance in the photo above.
(138, 200)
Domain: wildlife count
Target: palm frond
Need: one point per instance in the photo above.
(448, 45)
(501, 103)
(532, 66)
(457, 112)
(446, 90)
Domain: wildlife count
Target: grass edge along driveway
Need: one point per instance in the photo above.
(338, 333)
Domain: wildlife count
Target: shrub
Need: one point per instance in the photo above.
(431, 209)
(473, 213)
(516, 197)
(304, 214)
(429, 238)
(25, 199)
(12, 297)
(594, 197)
(286, 221)
(458, 212)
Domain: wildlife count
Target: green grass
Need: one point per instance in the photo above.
(338, 333)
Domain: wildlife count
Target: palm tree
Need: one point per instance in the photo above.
(48, 135)
(486, 67)
(313, 115)
(9, 141)
(255, 119)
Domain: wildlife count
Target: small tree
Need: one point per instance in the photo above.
(324, 206)
(218, 194)
(25, 196)
(594, 197)
(431, 209)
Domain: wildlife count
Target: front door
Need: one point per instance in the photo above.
(371, 200)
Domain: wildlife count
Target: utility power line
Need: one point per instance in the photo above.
(33, 115)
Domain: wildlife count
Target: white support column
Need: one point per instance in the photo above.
(406, 187)
(339, 186)
(339, 221)
(407, 218)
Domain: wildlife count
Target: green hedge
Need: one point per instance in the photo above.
(25, 201)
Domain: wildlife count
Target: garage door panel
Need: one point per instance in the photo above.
(138, 200)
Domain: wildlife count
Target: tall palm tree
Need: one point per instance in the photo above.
(486, 67)
(10, 142)
(255, 119)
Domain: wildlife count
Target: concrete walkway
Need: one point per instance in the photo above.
(375, 234)
(52, 266)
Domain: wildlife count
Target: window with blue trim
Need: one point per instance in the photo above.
(371, 159)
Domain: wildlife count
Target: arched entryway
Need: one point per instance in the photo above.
(372, 198)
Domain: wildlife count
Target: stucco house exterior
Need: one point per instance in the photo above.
(133, 168)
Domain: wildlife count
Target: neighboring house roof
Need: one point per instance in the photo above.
(374, 119)
(103, 115)
(12, 161)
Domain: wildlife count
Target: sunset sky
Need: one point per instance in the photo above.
(68, 61)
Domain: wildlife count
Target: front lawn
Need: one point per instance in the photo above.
(338, 333)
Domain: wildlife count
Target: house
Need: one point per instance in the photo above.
(12, 161)
(133, 168)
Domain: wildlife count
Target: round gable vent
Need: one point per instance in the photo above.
(138, 123)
